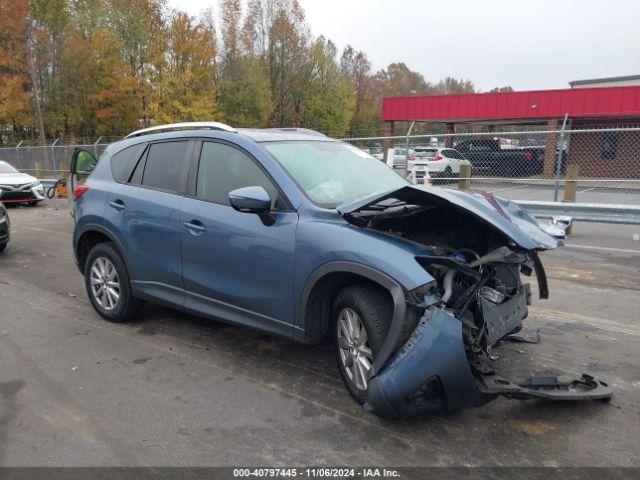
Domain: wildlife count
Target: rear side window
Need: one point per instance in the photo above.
(164, 166)
(425, 152)
(122, 162)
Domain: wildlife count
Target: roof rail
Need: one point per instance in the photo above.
(182, 126)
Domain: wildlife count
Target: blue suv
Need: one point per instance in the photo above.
(297, 234)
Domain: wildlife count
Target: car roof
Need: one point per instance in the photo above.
(282, 134)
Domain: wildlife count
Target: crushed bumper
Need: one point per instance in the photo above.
(431, 373)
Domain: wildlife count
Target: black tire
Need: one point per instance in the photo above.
(127, 306)
(3, 245)
(448, 174)
(32, 203)
(375, 310)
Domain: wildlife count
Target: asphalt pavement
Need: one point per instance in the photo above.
(171, 389)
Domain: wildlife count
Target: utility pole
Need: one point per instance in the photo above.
(31, 60)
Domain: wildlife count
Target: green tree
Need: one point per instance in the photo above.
(453, 86)
(184, 89)
(329, 100)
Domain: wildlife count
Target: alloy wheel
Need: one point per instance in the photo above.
(105, 285)
(355, 350)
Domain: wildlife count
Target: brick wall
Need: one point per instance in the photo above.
(586, 150)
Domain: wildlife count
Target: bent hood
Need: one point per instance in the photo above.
(517, 224)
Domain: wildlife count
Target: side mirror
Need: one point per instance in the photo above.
(250, 200)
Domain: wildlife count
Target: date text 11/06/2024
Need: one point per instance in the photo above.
(326, 472)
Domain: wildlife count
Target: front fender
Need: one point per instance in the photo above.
(337, 247)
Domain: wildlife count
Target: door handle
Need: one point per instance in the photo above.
(117, 205)
(194, 226)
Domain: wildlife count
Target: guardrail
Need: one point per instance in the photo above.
(584, 212)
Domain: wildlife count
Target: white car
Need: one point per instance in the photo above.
(439, 162)
(16, 187)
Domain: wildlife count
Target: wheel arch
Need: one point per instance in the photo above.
(92, 235)
(314, 305)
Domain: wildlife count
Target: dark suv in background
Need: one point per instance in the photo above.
(296, 234)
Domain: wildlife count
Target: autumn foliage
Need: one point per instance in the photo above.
(106, 67)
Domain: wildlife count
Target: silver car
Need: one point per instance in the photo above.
(17, 187)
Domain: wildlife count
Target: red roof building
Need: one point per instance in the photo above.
(584, 107)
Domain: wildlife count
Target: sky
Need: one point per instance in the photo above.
(527, 44)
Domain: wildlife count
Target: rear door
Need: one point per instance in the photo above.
(235, 266)
(144, 209)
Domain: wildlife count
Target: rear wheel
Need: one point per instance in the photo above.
(361, 318)
(107, 284)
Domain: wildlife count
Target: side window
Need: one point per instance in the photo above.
(121, 162)
(164, 166)
(223, 168)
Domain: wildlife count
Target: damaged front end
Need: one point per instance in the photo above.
(476, 248)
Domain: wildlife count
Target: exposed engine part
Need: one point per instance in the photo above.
(502, 254)
(491, 294)
(448, 285)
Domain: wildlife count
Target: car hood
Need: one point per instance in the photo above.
(16, 178)
(504, 215)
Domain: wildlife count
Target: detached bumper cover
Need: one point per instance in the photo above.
(429, 373)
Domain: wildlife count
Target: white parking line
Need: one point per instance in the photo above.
(604, 249)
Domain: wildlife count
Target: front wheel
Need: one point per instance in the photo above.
(3, 245)
(361, 318)
(107, 284)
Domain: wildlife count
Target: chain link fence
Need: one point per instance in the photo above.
(573, 165)
(50, 161)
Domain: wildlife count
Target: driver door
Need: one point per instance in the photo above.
(235, 266)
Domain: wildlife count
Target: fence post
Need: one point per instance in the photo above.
(571, 186)
(95, 146)
(39, 170)
(18, 154)
(405, 170)
(53, 155)
(560, 153)
(464, 177)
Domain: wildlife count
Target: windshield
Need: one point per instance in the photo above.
(331, 173)
(6, 168)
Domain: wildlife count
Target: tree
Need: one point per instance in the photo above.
(453, 86)
(15, 95)
(357, 68)
(184, 88)
(501, 89)
(288, 68)
(328, 103)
